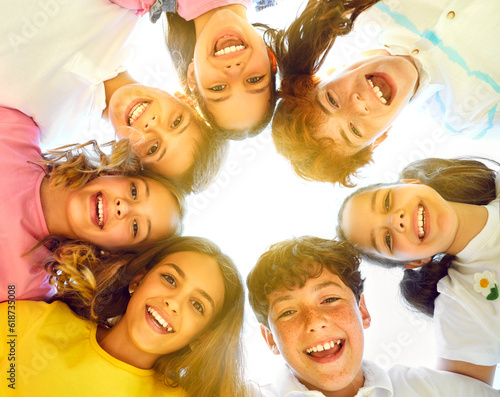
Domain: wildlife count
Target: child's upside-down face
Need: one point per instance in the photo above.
(232, 71)
(163, 130)
(319, 331)
(359, 103)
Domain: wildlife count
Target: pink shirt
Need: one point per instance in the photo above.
(22, 223)
(187, 9)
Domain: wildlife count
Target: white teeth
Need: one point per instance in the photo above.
(377, 91)
(421, 221)
(136, 112)
(160, 319)
(100, 212)
(229, 49)
(324, 346)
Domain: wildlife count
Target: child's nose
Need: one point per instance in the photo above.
(315, 320)
(359, 104)
(121, 208)
(151, 123)
(398, 220)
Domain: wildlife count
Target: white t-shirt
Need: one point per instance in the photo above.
(455, 46)
(467, 322)
(54, 57)
(399, 381)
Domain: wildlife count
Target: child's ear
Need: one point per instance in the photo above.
(380, 139)
(269, 338)
(191, 77)
(418, 263)
(137, 279)
(365, 315)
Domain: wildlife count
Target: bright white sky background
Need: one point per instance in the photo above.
(258, 201)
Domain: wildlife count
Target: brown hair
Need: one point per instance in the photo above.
(98, 290)
(290, 263)
(180, 39)
(300, 51)
(462, 180)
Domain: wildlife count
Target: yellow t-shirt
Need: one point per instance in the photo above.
(50, 351)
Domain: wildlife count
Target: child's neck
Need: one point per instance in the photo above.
(54, 204)
(471, 220)
(115, 342)
(201, 21)
(111, 85)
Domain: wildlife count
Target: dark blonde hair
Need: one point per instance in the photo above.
(98, 290)
(72, 167)
(300, 51)
(462, 180)
(180, 38)
(290, 263)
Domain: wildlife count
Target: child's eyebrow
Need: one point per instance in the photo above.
(330, 114)
(280, 299)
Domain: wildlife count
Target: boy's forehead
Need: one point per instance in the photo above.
(324, 280)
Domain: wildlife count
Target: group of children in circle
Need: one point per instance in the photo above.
(99, 233)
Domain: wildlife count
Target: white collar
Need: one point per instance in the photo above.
(377, 383)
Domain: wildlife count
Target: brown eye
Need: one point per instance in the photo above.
(153, 149)
(388, 241)
(176, 122)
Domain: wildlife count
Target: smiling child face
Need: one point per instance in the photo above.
(406, 222)
(359, 103)
(174, 303)
(318, 329)
(231, 71)
(116, 212)
(163, 130)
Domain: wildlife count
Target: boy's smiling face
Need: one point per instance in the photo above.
(323, 313)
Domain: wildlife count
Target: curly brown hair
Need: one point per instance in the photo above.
(290, 263)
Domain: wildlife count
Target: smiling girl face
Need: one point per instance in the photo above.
(359, 103)
(173, 303)
(163, 130)
(231, 71)
(404, 222)
(117, 212)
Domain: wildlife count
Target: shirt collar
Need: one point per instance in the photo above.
(377, 383)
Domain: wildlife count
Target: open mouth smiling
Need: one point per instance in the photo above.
(228, 44)
(159, 321)
(325, 349)
(421, 222)
(381, 88)
(101, 213)
(137, 111)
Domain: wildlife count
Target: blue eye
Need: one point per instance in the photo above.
(330, 300)
(198, 306)
(170, 279)
(133, 190)
(218, 88)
